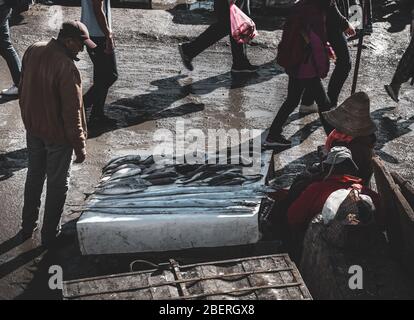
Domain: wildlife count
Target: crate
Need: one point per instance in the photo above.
(269, 277)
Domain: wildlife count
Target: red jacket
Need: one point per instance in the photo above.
(311, 201)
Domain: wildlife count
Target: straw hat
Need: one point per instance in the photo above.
(352, 117)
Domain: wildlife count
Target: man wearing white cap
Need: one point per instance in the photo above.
(51, 106)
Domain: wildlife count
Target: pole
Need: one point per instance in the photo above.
(360, 46)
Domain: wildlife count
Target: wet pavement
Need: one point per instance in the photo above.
(154, 90)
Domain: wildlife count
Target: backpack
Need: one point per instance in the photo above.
(291, 49)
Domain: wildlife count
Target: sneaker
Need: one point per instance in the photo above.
(304, 109)
(12, 91)
(246, 68)
(392, 92)
(278, 141)
(185, 58)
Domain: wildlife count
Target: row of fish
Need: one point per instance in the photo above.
(131, 174)
(132, 185)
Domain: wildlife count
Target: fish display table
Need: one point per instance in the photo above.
(144, 207)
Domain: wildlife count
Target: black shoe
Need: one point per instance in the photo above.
(244, 68)
(185, 58)
(392, 91)
(278, 141)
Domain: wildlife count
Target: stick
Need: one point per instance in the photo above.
(359, 52)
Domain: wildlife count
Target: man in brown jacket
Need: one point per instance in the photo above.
(51, 106)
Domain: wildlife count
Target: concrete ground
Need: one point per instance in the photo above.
(154, 90)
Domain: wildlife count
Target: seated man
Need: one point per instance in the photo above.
(340, 173)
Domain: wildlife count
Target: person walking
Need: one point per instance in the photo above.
(303, 54)
(96, 15)
(7, 50)
(50, 98)
(404, 71)
(337, 27)
(215, 32)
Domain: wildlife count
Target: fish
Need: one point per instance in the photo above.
(197, 176)
(125, 186)
(221, 178)
(177, 190)
(122, 166)
(123, 174)
(161, 181)
(210, 168)
(116, 162)
(178, 203)
(153, 211)
(159, 175)
(243, 194)
(148, 161)
(185, 168)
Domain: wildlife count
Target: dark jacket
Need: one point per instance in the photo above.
(335, 19)
(50, 95)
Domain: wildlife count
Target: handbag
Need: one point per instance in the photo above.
(243, 29)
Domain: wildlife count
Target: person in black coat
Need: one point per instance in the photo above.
(216, 31)
(337, 27)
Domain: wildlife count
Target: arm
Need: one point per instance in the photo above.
(339, 20)
(70, 90)
(98, 8)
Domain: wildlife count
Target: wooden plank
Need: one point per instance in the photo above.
(406, 187)
(386, 187)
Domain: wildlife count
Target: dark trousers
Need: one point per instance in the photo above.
(52, 161)
(218, 30)
(105, 74)
(342, 69)
(7, 50)
(405, 69)
(296, 88)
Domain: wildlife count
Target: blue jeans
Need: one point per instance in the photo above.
(7, 50)
(51, 161)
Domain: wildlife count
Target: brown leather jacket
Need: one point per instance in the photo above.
(50, 95)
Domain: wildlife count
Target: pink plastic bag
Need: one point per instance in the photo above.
(243, 29)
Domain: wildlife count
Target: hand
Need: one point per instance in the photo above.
(80, 156)
(110, 44)
(350, 32)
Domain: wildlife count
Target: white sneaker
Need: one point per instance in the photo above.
(12, 91)
(313, 108)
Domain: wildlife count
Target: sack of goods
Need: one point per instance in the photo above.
(243, 29)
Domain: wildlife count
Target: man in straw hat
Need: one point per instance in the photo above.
(355, 129)
(340, 172)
